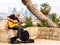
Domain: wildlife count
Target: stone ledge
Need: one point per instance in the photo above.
(35, 33)
(44, 33)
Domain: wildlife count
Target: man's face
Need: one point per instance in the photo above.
(18, 14)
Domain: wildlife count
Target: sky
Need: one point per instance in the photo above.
(4, 4)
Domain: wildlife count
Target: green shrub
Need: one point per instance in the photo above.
(28, 22)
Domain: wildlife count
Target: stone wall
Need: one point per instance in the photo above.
(5, 35)
(44, 33)
(35, 33)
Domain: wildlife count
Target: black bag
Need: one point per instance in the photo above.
(24, 35)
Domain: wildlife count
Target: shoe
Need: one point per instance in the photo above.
(15, 42)
(18, 39)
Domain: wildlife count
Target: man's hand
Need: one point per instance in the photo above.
(11, 20)
(15, 22)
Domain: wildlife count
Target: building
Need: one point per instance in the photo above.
(9, 11)
(3, 15)
(14, 10)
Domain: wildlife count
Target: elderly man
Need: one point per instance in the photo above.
(13, 23)
(22, 35)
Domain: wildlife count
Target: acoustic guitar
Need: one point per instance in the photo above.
(11, 24)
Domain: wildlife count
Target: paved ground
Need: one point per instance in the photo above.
(38, 42)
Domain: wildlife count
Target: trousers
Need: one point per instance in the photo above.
(19, 31)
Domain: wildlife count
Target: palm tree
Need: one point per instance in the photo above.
(45, 9)
(54, 18)
(37, 13)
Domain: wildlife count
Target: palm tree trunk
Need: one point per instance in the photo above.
(37, 13)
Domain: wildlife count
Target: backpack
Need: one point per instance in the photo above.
(24, 35)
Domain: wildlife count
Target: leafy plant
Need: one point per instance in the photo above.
(28, 22)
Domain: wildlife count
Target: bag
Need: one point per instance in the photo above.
(24, 35)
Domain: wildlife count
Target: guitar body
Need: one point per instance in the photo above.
(11, 24)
